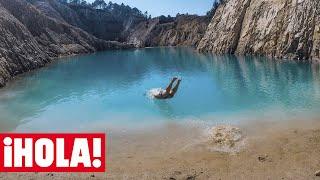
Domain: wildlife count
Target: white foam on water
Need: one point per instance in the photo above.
(153, 92)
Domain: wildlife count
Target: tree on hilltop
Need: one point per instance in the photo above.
(99, 4)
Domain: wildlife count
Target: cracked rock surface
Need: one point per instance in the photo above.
(276, 28)
(29, 39)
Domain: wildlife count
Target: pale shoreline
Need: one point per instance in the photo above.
(273, 150)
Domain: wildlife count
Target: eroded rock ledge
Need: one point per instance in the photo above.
(33, 32)
(183, 30)
(275, 28)
(29, 39)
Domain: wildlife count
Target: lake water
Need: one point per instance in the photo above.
(107, 90)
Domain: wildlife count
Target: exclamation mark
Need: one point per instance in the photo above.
(96, 152)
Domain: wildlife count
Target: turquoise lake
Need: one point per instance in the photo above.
(108, 90)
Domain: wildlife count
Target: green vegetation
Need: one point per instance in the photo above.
(114, 8)
(125, 10)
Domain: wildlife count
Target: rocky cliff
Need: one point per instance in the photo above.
(30, 39)
(33, 32)
(276, 28)
(127, 24)
(183, 30)
(107, 24)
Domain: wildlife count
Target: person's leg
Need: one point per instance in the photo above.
(175, 89)
(168, 89)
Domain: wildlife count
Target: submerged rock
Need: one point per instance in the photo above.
(226, 138)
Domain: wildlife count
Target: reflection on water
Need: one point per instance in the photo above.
(108, 89)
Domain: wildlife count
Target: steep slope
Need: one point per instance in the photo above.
(128, 25)
(19, 51)
(29, 39)
(103, 24)
(275, 28)
(182, 30)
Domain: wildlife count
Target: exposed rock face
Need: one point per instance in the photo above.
(128, 26)
(103, 24)
(100, 23)
(315, 54)
(33, 32)
(276, 28)
(224, 30)
(183, 30)
(19, 51)
(30, 39)
(56, 10)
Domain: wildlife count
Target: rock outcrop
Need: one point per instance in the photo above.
(183, 30)
(33, 32)
(30, 39)
(102, 23)
(276, 28)
(19, 50)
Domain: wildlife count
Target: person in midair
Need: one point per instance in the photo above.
(169, 92)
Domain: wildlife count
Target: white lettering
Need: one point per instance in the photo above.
(80, 153)
(44, 159)
(20, 152)
(61, 161)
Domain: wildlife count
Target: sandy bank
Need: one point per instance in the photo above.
(286, 150)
